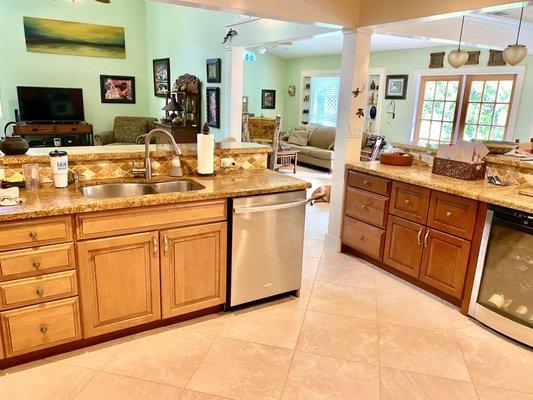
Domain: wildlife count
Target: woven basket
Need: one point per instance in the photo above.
(459, 169)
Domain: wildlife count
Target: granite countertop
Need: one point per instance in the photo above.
(506, 196)
(129, 151)
(49, 201)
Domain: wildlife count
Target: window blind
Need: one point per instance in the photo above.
(324, 100)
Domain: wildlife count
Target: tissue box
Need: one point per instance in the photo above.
(459, 169)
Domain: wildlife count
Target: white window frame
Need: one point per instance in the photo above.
(310, 74)
(519, 71)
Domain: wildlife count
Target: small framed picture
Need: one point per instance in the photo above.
(161, 71)
(245, 104)
(396, 87)
(213, 106)
(496, 58)
(436, 60)
(473, 57)
(268, 99)
(213, 66)
(117, 89)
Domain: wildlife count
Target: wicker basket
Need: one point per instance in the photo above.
(459, 169)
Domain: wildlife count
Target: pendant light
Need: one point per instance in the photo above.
(458, 58)
(515, 53)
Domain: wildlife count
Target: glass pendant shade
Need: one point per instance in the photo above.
(514, 53)
(457, 58)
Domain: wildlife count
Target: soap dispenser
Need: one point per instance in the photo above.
(205, 151)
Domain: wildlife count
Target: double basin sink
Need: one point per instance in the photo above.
(128, 189)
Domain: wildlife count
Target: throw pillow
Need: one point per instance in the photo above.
(299, 137)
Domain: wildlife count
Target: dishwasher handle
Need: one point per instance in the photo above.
(244, 210)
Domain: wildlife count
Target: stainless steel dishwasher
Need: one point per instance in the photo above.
(266, 250)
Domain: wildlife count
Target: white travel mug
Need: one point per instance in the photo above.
(59, 164)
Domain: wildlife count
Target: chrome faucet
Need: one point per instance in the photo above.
(147, 167)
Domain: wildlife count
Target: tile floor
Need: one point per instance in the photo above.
(356, 332)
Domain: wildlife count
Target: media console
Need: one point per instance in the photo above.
(40, 135)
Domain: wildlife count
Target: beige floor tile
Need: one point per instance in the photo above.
(351, 273)
(305, 294)
(410, 308)
(94, 357)
(309, 267)
(387, 282)
(495, 361)
(433, 352)
(190, 395)
(313, 248)
(106, 386)
(209, 324)
(242, 370)
(341, 337)
(167, 357)
(403, 385)
(322, 378)
(492, 393)
(276, 324)
(343, 300)
(333, 255)
(457, 320)
(43, 381)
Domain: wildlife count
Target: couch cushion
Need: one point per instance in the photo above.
(127, 129)
(322, 137)
(311, 151)
(299, 137)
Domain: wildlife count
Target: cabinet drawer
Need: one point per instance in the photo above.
(24, 129)
(452, 214)
(366, 206)
(112, 223)
(73, 128)
(410, 202)
(37, 327)
(369, 182)
(35, 232)
(363, 237)
(23, 292)
(36, 261)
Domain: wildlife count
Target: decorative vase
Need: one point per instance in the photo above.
(373, 112)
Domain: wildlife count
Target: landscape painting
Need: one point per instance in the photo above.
(74, 38)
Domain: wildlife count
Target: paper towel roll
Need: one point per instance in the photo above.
(205, 149)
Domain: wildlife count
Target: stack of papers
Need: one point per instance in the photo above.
(468, 152)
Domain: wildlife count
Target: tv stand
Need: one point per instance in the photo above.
(71, 134)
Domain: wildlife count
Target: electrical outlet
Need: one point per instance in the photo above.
(227, 162)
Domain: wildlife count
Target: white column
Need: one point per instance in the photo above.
(354, 74)
(233, 67)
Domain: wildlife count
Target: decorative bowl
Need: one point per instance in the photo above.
(399, 159)
(497, 147)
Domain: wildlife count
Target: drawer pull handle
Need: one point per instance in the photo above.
(43, 329)
(407, 201)
(448, 214)
(365, 182)
(364, 207)
(419, 237)
(36, 263)
(426, 238)
(39, 292)
(33, 234)
(165, 241)
(156, 249)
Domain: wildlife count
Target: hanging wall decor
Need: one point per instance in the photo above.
(213, 106)
(268, 99)
(161, 75)
(396, 87)
(292, 90)
(213, 66)
(496, 58)
(436, 60)
(473, 57)
(117, 89)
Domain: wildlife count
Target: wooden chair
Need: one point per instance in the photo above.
(263, 130)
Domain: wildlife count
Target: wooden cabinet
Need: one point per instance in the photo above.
(452, 214)
(363, 237)
(444, 262)
(193, 268)
(370, 183)
(366, 206)
(403, 246)
(410, 202)
(119, 282)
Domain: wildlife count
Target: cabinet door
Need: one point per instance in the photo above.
(119, 282)
(444, 262)
(403, 245)
(193, 268)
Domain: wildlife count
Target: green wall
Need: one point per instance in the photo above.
(188, 36)
(19, 67)
(407, 61)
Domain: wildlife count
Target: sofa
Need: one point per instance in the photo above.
(126, 130)
(314, 143)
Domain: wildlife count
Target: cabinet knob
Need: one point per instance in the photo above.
(364, 207)
(33, 234)
(365, 182)
(44, 329)
(448, 214)
(361, 237)
(407, 201)
(39, 291)
(36, 263)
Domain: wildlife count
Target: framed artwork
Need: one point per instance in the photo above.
(74, 38)
(473, 57)
(396, 87)
(213, 106)
(436, 60)
(213, 70)
(496, 58)
(117, 89)
(245, 104)
(268, 99)
(161, 71)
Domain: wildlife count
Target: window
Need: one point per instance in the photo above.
(484, 113)
(324, 100)
(437, 109)
(486, 106)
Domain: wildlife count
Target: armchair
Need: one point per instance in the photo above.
(126, 130)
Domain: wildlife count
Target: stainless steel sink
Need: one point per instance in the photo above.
(111, 190)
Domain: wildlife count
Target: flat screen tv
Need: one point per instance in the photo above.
(44, 104)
